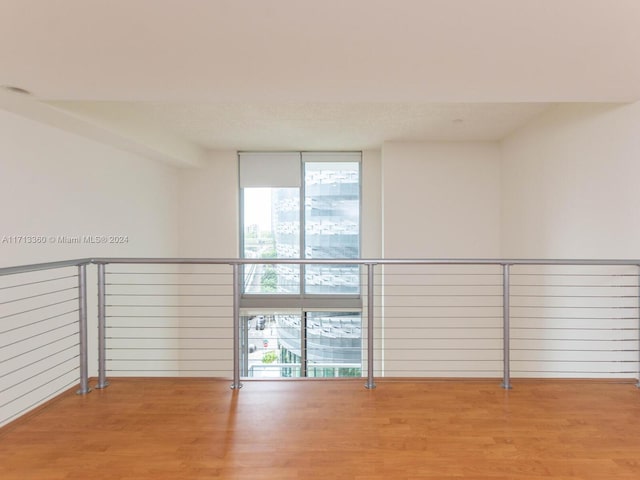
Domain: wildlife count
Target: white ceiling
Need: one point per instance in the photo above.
(254, 74)
(319, 126)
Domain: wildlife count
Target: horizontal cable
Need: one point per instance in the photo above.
(168, 295)
(432, 349)
(571, 296)
(574, 372)
(580, 329)
(115, 327)
(425, 274)
(50, 395)
(513, 274)
(170, 338)
(420, 295)
(39, 373)
(39, 281)
(576, 339)
(440, 338)
(39, 321)
(39, 295)
(39, 347)
(429, 285)
(445, 317)
(572, 318)
(169, 306)
(474, 360)
(37, 335)
(448, 306)
(392, 328)
(170, 348)
(39, 360)
(164, 370)
(39, 308)
(621, 307)
(574, 361)
(169, 284)
(571, 350)
(571, 285)
(38, 387)
(166, 359)
(169, 316)
(168, 273)
(448, 370)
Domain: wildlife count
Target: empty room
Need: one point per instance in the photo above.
(286, 239)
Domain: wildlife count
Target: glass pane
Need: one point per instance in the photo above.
(332, 228)
(271, 219)
(271, 345)
(334, 344)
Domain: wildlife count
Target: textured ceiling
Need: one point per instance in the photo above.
(182, 76)
(314, 126)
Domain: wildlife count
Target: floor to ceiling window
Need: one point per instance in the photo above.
(301, 320)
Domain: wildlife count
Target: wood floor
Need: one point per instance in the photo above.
(139, 429)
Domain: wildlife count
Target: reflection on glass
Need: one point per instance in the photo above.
(272, 345)
(271, 230)
(332, 225)
(334, 344)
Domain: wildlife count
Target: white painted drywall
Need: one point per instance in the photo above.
(570, 190)
(55, 185)
(58, 184)
(570, 184)
(441, 200)
(209, 208)
(371, 220)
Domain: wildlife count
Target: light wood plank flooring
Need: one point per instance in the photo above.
(155, 429)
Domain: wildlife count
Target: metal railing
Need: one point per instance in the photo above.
(43, 334)
(494, 318)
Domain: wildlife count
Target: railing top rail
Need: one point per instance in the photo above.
(293, 261)
(34, 267)
(368, 261)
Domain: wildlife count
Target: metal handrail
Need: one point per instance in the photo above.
(34, 267)
(284, 261)
(370, 263)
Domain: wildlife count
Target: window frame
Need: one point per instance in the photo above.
(303, 300)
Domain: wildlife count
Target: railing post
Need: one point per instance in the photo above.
(638, 384)
(304, 372)
(506, 379)
(236, 327)
(102, 346)
(370, 275)
(82, 330)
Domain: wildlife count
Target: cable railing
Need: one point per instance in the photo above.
(42, 342)
(246, 319)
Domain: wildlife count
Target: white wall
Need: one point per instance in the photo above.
(441, 200)
(570, 190)
(371, 204)
(55, 184)
(570, 184)
(209, 208)
(59, 184)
